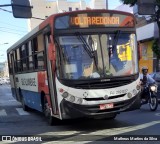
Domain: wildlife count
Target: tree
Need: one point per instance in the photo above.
(129, 2)
(133, 2)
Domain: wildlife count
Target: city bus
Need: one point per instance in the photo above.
(70, 66)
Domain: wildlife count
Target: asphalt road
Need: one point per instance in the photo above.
(127, 126)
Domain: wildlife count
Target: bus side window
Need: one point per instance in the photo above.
(24, 57)
(30, 56)
(10, 64)
(15, 60)
(18, 60)
(35, 47)
(27, 56)
(40, 52)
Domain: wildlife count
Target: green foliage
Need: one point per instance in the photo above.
(158, 1)
(129, 2)
(133, 2)
(156, 48)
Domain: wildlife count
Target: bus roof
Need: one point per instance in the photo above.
(28, 35)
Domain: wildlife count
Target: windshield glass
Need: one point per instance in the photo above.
(97, 56)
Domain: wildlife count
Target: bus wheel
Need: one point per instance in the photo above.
(47, 113)
(25, 108)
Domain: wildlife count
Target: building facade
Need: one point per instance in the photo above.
(147, 31)
(145, 37)
(1, 69)
(44, 8)
(4, 69)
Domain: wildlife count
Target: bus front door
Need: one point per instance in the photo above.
(51, 78)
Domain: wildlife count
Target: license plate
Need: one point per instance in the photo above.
(106, 106)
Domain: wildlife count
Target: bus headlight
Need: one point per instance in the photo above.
(71, 98)
(138, 87)
(65, 95)
(129, 95)
(134, 92)
(80, 100)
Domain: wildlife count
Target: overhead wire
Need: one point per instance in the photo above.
(12, 25)
(7, 23)
(11, 32)
(13, 29)
(5, 10)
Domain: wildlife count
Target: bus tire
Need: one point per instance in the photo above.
(47, 112)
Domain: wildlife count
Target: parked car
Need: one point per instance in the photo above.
(156, 77)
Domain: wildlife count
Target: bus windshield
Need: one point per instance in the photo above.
(97, 55)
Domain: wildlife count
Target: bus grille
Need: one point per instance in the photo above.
(103, 85)
(101, 98)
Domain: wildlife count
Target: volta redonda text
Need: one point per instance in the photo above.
(94, 21)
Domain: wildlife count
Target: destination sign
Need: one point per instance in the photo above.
(91, 20)
(94, 21)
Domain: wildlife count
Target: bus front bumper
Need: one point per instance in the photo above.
(72, 110)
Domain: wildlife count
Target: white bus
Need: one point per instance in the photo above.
(77, 64)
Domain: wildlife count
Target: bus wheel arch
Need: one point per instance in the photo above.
(43, 99)
(20, 94)
(24, 106)
(47, 110)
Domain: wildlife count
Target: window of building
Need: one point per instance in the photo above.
(70, 8)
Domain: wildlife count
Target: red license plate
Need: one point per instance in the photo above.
(106, 106)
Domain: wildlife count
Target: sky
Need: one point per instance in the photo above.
(12, 29)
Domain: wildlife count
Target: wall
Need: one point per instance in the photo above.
(43, 8)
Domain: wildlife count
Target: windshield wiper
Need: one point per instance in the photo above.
(87, 47)
(116, 38)
(114, 43)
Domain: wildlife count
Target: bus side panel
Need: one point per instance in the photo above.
(28, 84)
(43, 82)
(32, 99)
(43, 86)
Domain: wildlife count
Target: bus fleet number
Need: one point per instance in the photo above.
(118, 92)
